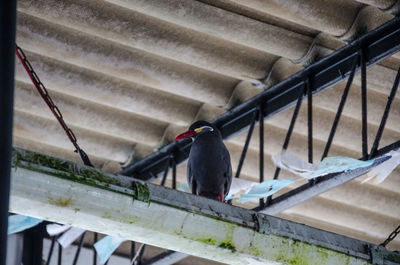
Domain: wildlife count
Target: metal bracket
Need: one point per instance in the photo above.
(262, 225)
(377, 255)
(381, 256)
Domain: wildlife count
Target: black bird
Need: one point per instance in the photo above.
(209, 171)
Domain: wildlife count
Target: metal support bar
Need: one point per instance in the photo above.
(364, 130)
(261, 151)
(246, 145)
(385, 114)
(378, 44)
(95, 239)
(59, 259)
(173, 165)
(340, 109)
(201, 227)
(132, 250)
(309, 121)
(140, 257)
(165, 174)
(290, 129)
(305, 192)
(137, 259)
(33, 245)
(53, 242)
(288, 136)
(78, 251)
(7, 47)
(308, 87)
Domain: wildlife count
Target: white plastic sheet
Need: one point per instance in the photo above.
(56, 229)
(382, 171)
(239, 185)
(328, 165)
(265, 189)
(183, 187)
(70, 236)
(18, 223)
(294, 164)
(106, 246)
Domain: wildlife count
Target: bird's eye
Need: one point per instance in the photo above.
(204, 129)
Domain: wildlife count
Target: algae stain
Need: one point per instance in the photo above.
(107, 215)
(140, 192)
(395, 258)
(208, 241)
(67, 170)
(60, 201)
(227, 244)
(256, 252)
(40, 159)
(95, 175)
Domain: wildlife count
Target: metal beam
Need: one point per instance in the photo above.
(63, 192)
(33, 245)
(7, 46)
(377, 44)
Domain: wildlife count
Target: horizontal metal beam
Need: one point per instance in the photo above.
(323, 184)
(64, 192)
(377, 44)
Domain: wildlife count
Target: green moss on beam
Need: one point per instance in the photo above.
(227, 244)
(140, 191)
(77, 173)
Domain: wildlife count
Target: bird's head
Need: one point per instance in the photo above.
(198, 128)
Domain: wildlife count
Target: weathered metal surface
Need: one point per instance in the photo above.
(60, 191)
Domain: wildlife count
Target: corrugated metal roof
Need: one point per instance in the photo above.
(129, 76)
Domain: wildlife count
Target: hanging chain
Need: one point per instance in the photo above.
(391, 236)
(49, 102)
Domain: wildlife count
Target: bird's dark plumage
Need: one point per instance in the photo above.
(209, 171)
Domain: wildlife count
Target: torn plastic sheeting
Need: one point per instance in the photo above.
(327, 166)
(239, 185)
(18, 223)
(294, 164)
(70, 236)
(56, 229)
(265, 189)
(337, 164)
(382, 171)
(106, 246)
(183, 187)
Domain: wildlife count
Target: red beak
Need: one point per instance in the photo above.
(185, 135)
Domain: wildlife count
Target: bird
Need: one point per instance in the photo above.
(209, 170)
